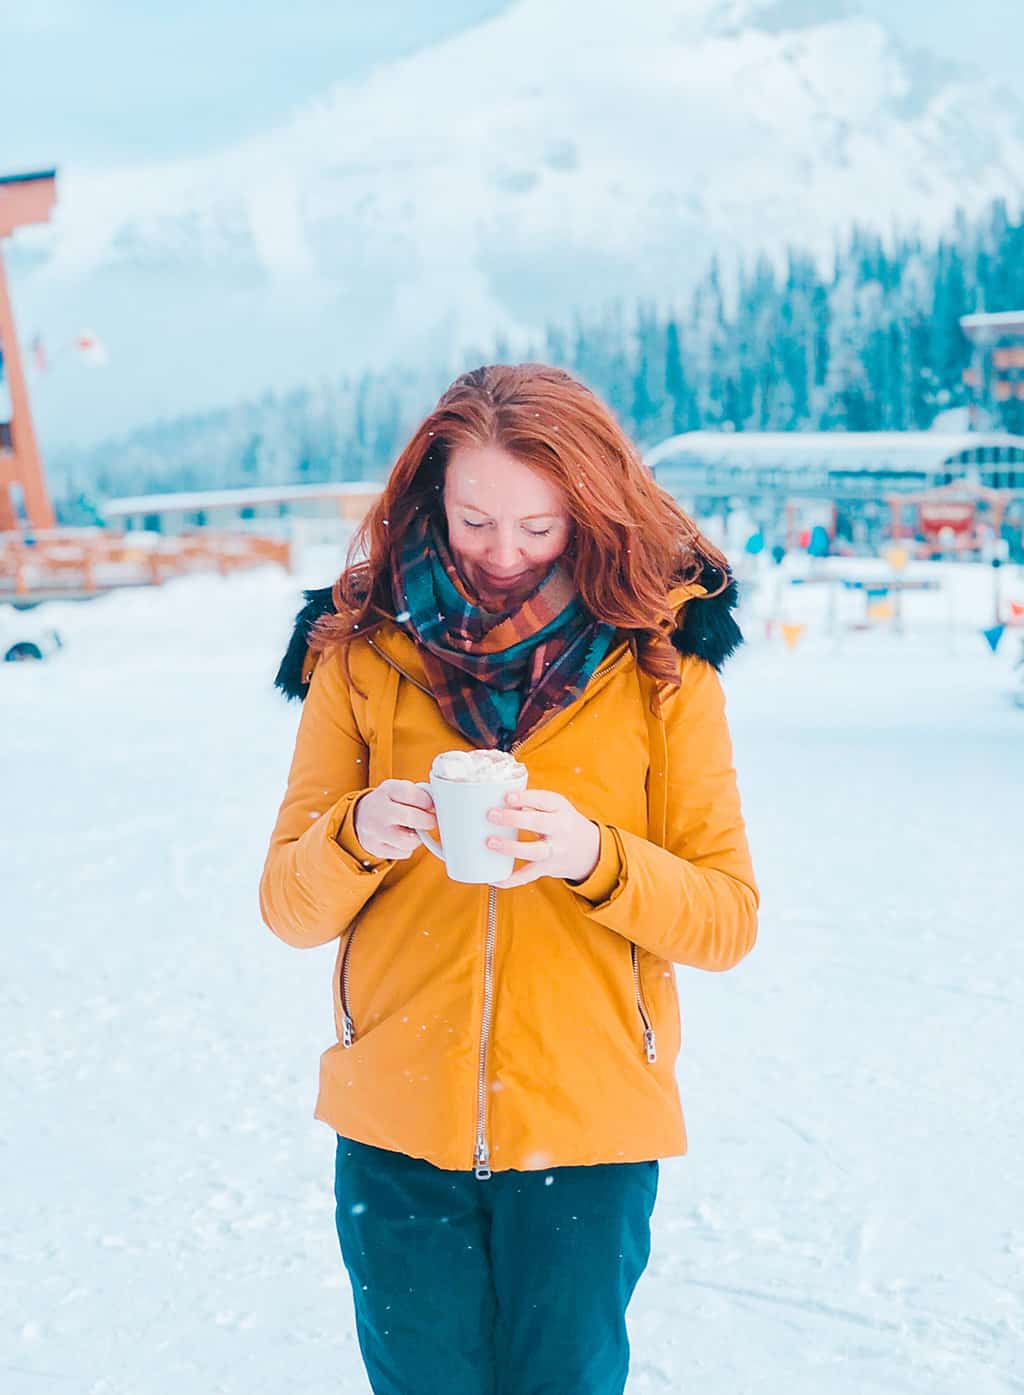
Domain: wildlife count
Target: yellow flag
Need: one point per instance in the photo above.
(897, 557)
(793, 634)
(880, 610)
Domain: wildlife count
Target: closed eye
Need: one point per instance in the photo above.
(542, 533)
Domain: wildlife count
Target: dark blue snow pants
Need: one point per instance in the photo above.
(516, 1285)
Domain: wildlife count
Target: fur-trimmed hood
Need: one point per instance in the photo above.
(705, 628)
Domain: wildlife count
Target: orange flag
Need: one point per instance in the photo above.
(793, 634)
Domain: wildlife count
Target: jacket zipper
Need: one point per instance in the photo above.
(650, 1042)
(482, 1156)
(482, 1152)
(348, 1034)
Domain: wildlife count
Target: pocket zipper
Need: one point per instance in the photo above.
(650, 1041)
(348, 1027)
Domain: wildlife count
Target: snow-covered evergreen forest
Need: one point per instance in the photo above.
(871, 342)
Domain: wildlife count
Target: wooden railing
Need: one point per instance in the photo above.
(85, 562)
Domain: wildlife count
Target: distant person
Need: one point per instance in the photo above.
(503, 1083)
(818, 542)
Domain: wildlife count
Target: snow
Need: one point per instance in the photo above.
(850, 1218)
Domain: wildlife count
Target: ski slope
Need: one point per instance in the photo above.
(850, 1219)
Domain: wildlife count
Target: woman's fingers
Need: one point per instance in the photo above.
(535, 799)
(401, 845)
(539, 851)
(531, 873)
(412, 816)
(532, 820)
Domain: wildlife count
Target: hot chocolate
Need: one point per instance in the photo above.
(477, 767)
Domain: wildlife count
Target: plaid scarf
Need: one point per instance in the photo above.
(494, 674)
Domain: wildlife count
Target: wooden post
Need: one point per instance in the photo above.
(27, 466)
(24, 199)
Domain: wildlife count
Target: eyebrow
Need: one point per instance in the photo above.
(461, 504)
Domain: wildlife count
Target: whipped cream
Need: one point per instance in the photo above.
(477, 767)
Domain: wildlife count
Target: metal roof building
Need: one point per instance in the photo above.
(834, 465)
(259, 506)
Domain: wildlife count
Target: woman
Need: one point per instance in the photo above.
(503, 1081)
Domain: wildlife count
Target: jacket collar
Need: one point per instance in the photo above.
(704, 628)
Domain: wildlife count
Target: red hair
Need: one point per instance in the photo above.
(630, 543)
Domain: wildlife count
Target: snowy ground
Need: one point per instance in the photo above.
(850, 1219)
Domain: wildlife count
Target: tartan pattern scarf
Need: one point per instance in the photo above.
(494, 674)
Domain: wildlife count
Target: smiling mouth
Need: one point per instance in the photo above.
(503, 580)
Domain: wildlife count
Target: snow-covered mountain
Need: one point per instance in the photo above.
(561, 154)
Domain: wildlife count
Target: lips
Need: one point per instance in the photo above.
(502, 580)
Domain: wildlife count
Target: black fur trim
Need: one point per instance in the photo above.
(707, 631)
(289, 675)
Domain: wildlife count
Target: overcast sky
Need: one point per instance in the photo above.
(114, 81)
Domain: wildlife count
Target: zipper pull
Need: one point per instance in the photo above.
(348, 1031)
(482, 1170)
(650, 1045)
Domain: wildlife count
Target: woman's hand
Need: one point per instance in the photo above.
(569, 844)
(386, 817)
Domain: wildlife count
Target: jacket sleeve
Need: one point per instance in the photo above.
(694, 901)
(316, 876)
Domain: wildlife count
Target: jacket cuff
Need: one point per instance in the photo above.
(345, 837)
(605, 877)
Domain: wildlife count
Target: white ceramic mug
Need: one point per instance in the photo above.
(461, 808)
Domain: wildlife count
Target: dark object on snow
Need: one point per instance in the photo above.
(22, 652)
(35, 645)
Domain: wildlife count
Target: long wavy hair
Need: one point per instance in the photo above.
(630, 542)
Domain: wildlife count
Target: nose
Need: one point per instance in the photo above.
(504, 554)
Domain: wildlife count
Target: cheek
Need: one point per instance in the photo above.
(555, 545)
(466, 542)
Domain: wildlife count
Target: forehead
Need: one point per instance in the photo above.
(493, 480)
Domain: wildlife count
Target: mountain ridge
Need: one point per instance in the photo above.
(544, 158)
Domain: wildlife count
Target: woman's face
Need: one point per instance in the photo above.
(506, 523)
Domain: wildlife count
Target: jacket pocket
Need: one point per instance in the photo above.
(650, 1042)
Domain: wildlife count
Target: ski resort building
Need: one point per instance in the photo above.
(996, 373)
(298, 512)
(850, 482)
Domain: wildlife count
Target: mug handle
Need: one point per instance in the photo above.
(427, 839)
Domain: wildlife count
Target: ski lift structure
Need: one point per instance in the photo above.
(39, 560)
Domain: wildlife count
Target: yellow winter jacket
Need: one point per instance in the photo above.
(526, 1028)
